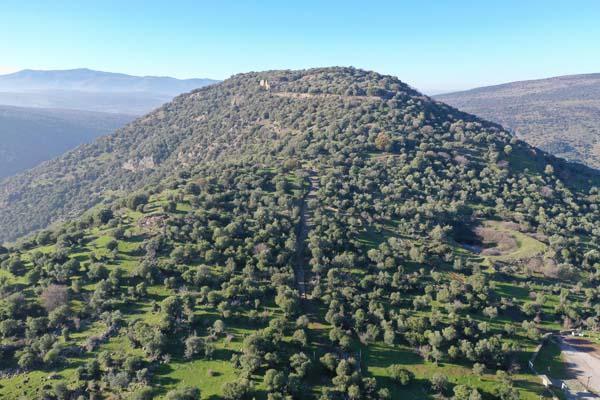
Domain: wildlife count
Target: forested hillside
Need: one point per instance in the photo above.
(560, 115)
(236, 119)
(319, 234)
(29, 136)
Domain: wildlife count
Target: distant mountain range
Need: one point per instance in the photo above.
(560, 115)
(29, 136)
(45, 113)
(85, 89)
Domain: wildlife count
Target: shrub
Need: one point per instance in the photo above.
(236, 390)
(185, 393)
(400, 375)
(54, 296)
(136, 200)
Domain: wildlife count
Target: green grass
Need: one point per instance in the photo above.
(527, 246)
(379, 356)
(549, 361)
(210, 374)
(32, 384)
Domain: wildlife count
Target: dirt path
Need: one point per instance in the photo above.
(577, 391)
(583, 361)
(304, 227)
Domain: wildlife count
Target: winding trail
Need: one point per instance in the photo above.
(304, 227)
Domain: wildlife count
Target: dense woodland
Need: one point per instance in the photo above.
(318, 234)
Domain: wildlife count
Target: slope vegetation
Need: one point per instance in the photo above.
(560, 115)
(327, 234)
(241, 119)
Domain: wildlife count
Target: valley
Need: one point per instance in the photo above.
(44, 114)
(30, 136)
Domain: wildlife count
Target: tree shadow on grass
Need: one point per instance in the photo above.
(223, 354)
(162, 380)
(529, 385)
(384, 356)
(132, 308)
(81, 257)
(417, 389)
(139, 238)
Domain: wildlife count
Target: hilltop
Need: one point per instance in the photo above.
(560, 115)
(320, 234)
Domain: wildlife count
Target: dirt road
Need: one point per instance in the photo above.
(583, 360)
(301, 236)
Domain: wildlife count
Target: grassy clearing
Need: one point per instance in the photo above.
(526, 246)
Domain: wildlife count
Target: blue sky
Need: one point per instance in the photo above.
(433, 45)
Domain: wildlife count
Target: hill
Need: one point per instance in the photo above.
(29, 136)
(214, 124)
(328, 233)
(560, 115)
(85, 89)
